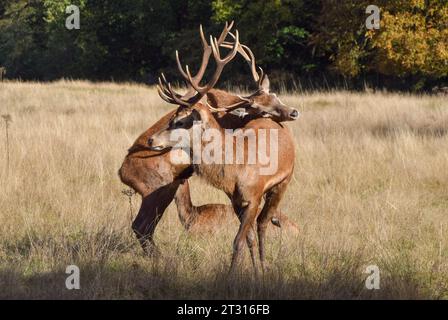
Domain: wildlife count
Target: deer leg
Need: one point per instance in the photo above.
(144, 225)
(251, 243)
(250, 239)
(151, 211)
(248, 219)
(273, 198)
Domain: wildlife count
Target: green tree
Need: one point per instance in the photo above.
(22, 38)
(411, 44)
(277, 31)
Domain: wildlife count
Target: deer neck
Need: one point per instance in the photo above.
(214, 173)
(220, 98)
(207, 118)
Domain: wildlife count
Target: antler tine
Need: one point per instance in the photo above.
(191, 81)
(228, 108)
(163, 84)
(230, 56)
(261, 74)
(167, 93)
(164, 96)
(179, 66)
(201, 34)
(225, 32)
(215, 50)
(248, 55)
(176, 98)
(229, 45)
(205, 57)
(163, 92)
(252, 63)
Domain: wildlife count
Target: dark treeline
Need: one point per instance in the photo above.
(307, 43)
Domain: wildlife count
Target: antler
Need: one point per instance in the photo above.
(220, 63)
(196, 91)
(249, 56)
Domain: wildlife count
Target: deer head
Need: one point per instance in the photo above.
(184, 119)
(266, 104)
(262, 102)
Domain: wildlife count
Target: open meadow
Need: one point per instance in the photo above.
(370, 188)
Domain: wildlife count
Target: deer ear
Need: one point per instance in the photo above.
(265, 84)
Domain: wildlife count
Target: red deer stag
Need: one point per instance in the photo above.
(244, 184)
(156, 179)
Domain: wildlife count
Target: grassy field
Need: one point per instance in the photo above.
(370, 188)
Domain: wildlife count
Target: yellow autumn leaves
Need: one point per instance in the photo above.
(413, 42)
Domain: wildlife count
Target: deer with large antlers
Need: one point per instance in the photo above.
(156, 179)
(262, 103)
(244, 183)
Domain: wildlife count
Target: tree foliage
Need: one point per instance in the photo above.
(136, 39)
(414, 39)
(411, 44)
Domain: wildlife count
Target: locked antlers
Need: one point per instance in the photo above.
(195, 90)
(249, 56)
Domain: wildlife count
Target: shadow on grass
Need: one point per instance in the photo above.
(134, 282)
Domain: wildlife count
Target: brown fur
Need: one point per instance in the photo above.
(211, 217)
(151, 174)
(243, 183)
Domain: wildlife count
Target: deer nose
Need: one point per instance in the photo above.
(294, 114)
(150, 140)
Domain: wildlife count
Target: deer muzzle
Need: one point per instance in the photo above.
(294, 114)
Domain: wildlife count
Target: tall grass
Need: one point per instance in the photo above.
(370, 188)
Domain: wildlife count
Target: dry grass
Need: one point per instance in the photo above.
(370, 187)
